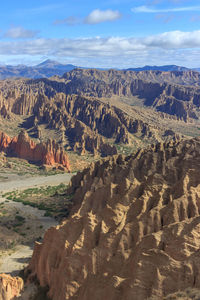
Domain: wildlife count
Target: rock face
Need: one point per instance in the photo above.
(88, 122)
(49, 153)
(134, 230)
(10, 287)
(175, 93)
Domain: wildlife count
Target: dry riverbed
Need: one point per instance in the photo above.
(21, 225)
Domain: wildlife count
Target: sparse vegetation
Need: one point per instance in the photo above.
(52, 199)
(188, 294)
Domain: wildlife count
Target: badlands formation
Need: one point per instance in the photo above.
(98, 110)
(49, 153)
(87, 125)
(133, 232)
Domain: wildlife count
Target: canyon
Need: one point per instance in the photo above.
(173, 93)
(99, 111)
(133, 227)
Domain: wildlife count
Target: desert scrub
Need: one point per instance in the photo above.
(19, 221)
(189, 293)
(54, 200)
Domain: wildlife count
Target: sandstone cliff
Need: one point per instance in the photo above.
(134, 229)
(49, 153)
(10, 287)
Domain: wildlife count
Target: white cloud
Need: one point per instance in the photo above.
(99, 16)
(146, 9)
(110, 46)
(20, 33)
(166, 48)
(174, 40)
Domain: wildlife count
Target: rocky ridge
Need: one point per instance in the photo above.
(187, 78)
(49, 153)
(85, 119)
(75, 105)
(134, 229)
(175, 93)
(87, 123)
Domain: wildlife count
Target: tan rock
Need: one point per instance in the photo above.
(10, 287)
(134, 230)
(68, 105)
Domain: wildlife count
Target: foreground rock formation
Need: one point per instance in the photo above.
(10, 287)
(49, 153)
(134, 230)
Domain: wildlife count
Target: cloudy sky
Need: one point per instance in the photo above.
(106, 33)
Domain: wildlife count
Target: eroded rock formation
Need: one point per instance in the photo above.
(48, 153)
(10, 287)
(88, 122)
(134, 230)
(175, 93)
(92, 124)
(85, 121)
(187, 78)
(166, 91)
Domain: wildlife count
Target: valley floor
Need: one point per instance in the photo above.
(16, 254)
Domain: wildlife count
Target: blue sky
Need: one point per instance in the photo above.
(112, 33)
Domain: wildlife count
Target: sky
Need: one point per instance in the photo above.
(108, 34)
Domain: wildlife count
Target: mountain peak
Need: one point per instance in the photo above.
(48, 63)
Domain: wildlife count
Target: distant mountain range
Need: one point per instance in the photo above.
(50, 68)
(47, 68)
(167, 68)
